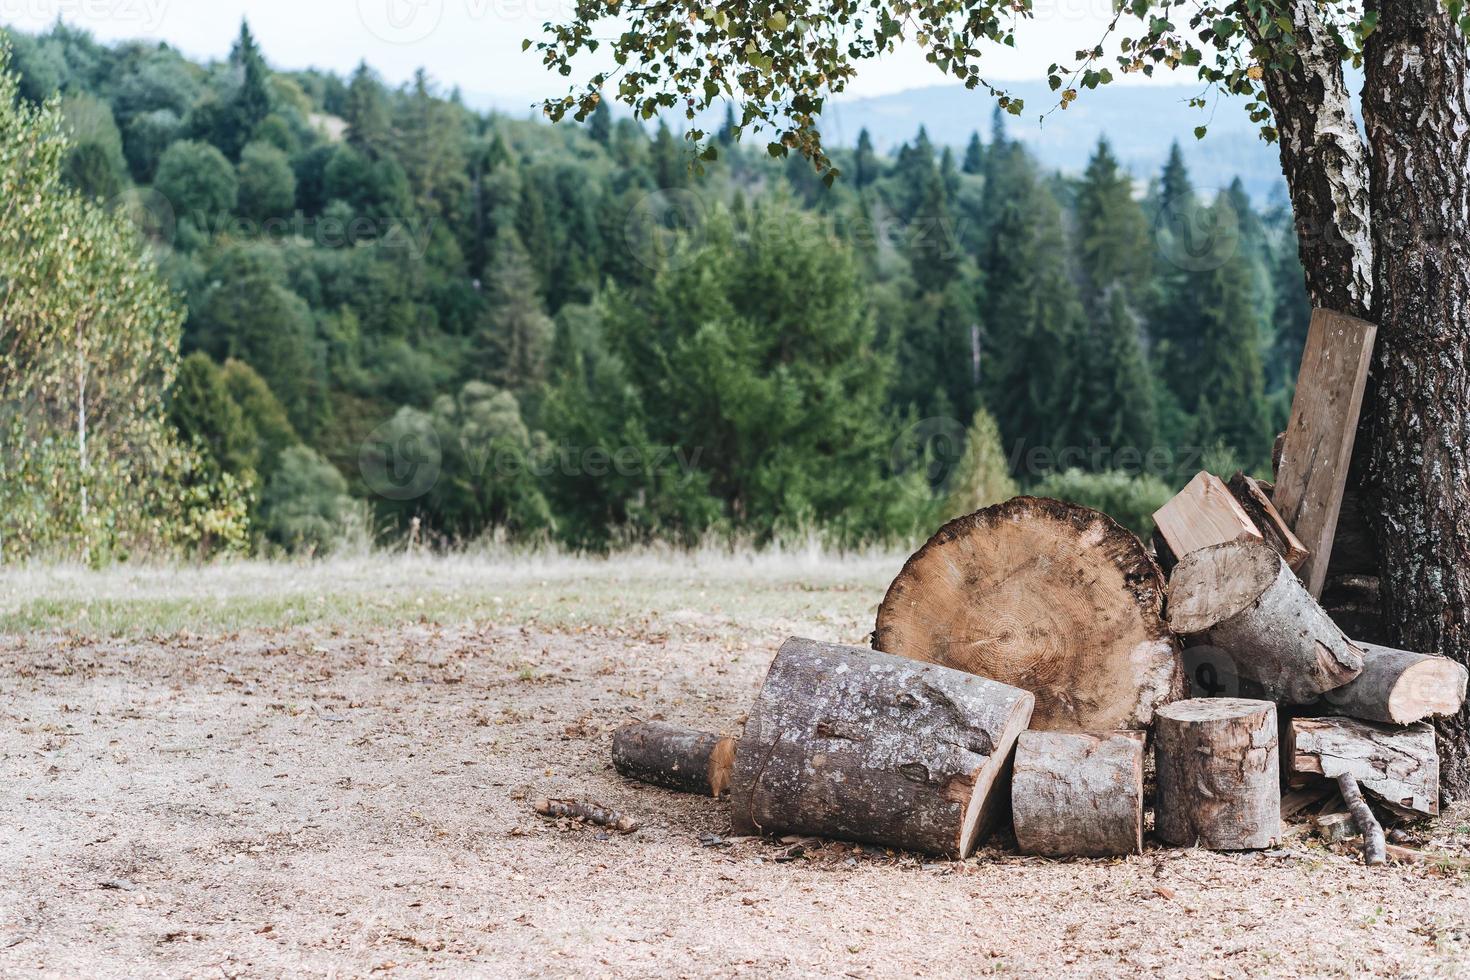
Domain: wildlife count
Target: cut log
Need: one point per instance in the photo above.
(1243, 598)
(1047, 596)
(1397, 687)
(1397, 765)
(1368, 825)
(1319, 438)
(854, 744)
(673, 757)
(1204, 513)
(1335, 825)
(1254, 498)
(1218, 774)
(1078, 793)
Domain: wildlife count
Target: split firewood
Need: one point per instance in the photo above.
(1368, 825)
(1254, 498)
(1078, 793)
(1047, 596)
(1397, 687)
(1397, 765)
(1244, 600)
(1303, 798)
(587, 813)
(853, 744)
(1204, 513)
(1334, 826)
(1218, 774)
(675, 758)
(1319, 438)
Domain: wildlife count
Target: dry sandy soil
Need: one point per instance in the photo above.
(267, 770)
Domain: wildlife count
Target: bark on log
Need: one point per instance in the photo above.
(1047, 596)
(859, 745)
(1397, 765)
(1254, 498)
(1218, 774)
(1397, 687)
(675, 758)
(1248, 604)
(1204, 513)
(1078, 793)
(1367, 823)
(1416, 108)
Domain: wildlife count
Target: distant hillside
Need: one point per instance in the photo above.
(1140, 121)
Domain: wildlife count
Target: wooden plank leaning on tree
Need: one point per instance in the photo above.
(1244, 601)
(1319, 438)
(1254, 498)
(1078, 793)
(1204, 513)
(853, 744)
(1048, 596)
(676, 758)
(1397, 765)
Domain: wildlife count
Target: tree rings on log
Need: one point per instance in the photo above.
(1047, 596)
(853, 744)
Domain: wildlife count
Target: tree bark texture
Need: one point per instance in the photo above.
(681, 759)
(1417, 113)
(1396, 764)
(1218, 774)
(1398, 687)
(1078, 793)
(858, 745)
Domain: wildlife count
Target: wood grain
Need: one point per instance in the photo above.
(1319, 439)
(1204, 513)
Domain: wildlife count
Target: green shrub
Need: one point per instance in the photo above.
(1129, 500)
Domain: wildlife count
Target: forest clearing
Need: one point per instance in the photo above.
(231, 770)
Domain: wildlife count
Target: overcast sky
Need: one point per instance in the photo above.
(475, 44)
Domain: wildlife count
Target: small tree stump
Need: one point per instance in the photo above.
(1047, 596)
(1078, 793)
(1218, 774)
(1397, 687)
(675, 758)
(1245, 601)
(1399, 766)
(854, 744)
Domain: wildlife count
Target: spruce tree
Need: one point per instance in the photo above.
(974, 156)
(1112, 234)
(369, 128)
(514, 341)
(599, 127)
(865, 167)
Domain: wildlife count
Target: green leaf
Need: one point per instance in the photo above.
(1199, 132)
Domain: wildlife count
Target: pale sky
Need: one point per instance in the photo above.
(476, 44)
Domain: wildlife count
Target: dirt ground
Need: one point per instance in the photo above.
(348, 796)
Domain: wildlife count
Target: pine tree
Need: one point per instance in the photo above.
(1112, 234)
(670, 169)
(599, 127)
(982, 477)
(1175, 188)
(251, 101)
(728, 128)
(974, 156)
(1292, 313)
(865, 167)
(369, 129)
(515, 337)
(1119, 403)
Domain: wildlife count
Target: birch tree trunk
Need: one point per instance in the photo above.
(1417, 113)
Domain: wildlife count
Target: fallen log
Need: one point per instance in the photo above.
(1047, 596)
(1078, 793)
(587, 813)
(1218, 774)
(1254, 498)
(1245, 601)
(1368, 825)
(675, 758)
(1397, 687)
(1396, 765)
(854, 744)
(1204, 513)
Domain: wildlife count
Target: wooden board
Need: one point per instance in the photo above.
(1319, 439)
(1204, 513)
(1254, 498)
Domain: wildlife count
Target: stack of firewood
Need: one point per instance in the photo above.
(1028, 654)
